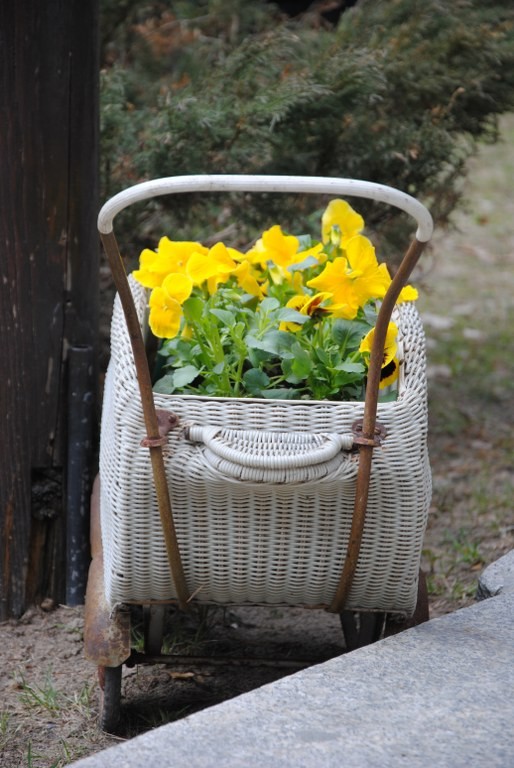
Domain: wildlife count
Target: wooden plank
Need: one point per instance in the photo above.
(48, 271)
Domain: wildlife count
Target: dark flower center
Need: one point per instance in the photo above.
(388, 369)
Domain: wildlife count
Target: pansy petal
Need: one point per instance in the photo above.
(360, 253)
(179, 251)
(200, 268)
(153, 268)
(165, 314)
(390, 347)
(169, 257)
(216, 263)
(341, 215)
(178, 286)
(336, 280)
(389, 373)
(247, 280)
(372, 284)
(408, 293)
(345, 310)
(220, 255)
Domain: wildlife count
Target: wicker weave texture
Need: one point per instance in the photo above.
(262, 491)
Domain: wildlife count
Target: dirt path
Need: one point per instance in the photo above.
(468, 311)
(49, 692)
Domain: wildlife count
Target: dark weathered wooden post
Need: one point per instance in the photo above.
(48, 275)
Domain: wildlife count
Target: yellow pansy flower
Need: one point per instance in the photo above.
(336, 281)
(339, 222)
(213, 267)
(390, 364)
(169, 257)
(165, 305)
(370, 279)
(178, 286)
(409, 293)
(187, 332)
(165, 314)
(245, 276)
(339, 277)
(306, 305)
(282, 250)
(297, 281)
(275, 246)
(235, 254)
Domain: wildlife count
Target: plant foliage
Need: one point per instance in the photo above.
(399, 92)
(290, 318)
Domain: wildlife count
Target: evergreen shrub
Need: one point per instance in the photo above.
(398, 92)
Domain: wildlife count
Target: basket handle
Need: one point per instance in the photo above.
(248, 183)
(306, 449)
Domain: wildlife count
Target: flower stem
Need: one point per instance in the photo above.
(239, 374)
(219, 357)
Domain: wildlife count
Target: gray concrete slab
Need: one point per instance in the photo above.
(439, 695)
(497, 577)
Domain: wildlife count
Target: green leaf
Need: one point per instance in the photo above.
(249, 303)
(370, 314)
(187, 350)
(257, 356)
(168, 346)
(351, 367)
(349, 382)
(226, 317)
(164, 386)
(281, 394)
(193, 309)
(238, 330)
(219, 368)
(302, 362)
(322, 356)
(237, 333)
(349, 333)
(179, 350)
(269, 304)
(287, 369)
(255, 381)
(289, 315)
(305, 242)
(388, 397)
(275, 342)
(184, 376)
(297, 367)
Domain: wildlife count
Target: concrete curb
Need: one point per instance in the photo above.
(497, 578)
(436, 695)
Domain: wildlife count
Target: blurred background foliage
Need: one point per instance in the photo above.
(394, 91)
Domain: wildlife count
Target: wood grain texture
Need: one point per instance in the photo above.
(48, 269)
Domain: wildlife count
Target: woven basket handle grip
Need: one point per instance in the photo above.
(270, 450)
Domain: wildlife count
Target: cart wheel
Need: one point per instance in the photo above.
(154, 628)
(361, 628)
(110, 697)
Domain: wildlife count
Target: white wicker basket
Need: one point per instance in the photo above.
(262, 491)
